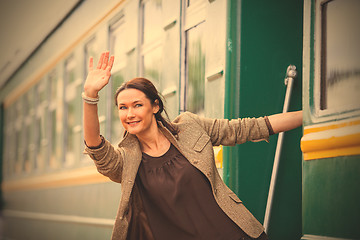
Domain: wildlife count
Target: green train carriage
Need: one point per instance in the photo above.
(219, 58)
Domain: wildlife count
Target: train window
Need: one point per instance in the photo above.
(5, 140)
(193, 81)
(9, 140)
(338, 56)
(152, 63)
(19, 136)
(73, 107)
(195, 69)
(152, 20)
(41, 125)
(151, 41)
(90, 50)
(117, 35)
(53, 134)
(53, 87)
(25, 131)
(29, 131)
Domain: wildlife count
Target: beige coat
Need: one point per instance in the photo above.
(195, 141)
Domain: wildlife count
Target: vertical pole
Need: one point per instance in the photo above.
(290, 75)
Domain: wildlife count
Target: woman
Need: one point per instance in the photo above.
(170, 185)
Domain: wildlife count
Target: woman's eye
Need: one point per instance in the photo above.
(122, 108)
(138, 105)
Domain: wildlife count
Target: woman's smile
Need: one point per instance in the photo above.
(133, 123)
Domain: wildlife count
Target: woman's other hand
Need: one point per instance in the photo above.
(98, 78)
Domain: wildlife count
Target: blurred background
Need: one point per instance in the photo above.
(215, 58)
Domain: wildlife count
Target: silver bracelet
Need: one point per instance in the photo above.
(89, 100)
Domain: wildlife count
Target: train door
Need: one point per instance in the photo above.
(331, 141)
(264, 38)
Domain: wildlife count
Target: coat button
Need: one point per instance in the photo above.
(195, 162)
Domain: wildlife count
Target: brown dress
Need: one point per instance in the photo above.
(179, 203)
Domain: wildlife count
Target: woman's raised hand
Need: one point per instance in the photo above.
(99, 77)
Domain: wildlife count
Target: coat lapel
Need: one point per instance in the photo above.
(133, 156)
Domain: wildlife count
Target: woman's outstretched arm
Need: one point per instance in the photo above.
(96, 80)
(283, 122)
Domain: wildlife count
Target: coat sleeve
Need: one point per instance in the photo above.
(108, 160)
(235, 131)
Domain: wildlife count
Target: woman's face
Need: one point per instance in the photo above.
(136, 112)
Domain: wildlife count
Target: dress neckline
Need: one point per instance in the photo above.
(156, 157)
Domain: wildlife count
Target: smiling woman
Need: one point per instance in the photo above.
(170, 166)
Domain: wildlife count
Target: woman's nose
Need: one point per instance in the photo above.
(130, 113)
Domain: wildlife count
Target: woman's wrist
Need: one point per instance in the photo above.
(91, 93)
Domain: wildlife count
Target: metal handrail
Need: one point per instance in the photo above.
(291, 74)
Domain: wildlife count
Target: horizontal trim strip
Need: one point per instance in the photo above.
(332, 140)
(101, 222)
(332, 153)
(81, 176)
(315, 237)
(324, 127)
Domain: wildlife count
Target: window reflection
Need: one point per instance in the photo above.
(151, 49)
(152, 20)
(54, 153)
(340, 68)
(28, 130)
(9, 140)
(18, 151)
(54, 147)
(117, 130)
(19, 136)
(73, 112)
(152, 66)
(43, 125)
(40, 124)
(117, 48)
(195, 60)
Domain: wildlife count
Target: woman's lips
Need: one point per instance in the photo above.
(133, 123)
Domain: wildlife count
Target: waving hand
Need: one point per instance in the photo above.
(98, 78)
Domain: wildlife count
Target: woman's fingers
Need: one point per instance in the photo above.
(105, 61)
(111, 62)
(91, 63)
(108, 68)
(100, 61)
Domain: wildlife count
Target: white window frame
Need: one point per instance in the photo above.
(326, 114)
(192, 16)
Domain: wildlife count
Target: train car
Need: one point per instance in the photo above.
(331, 141)
(216, 58)
(267, 38)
